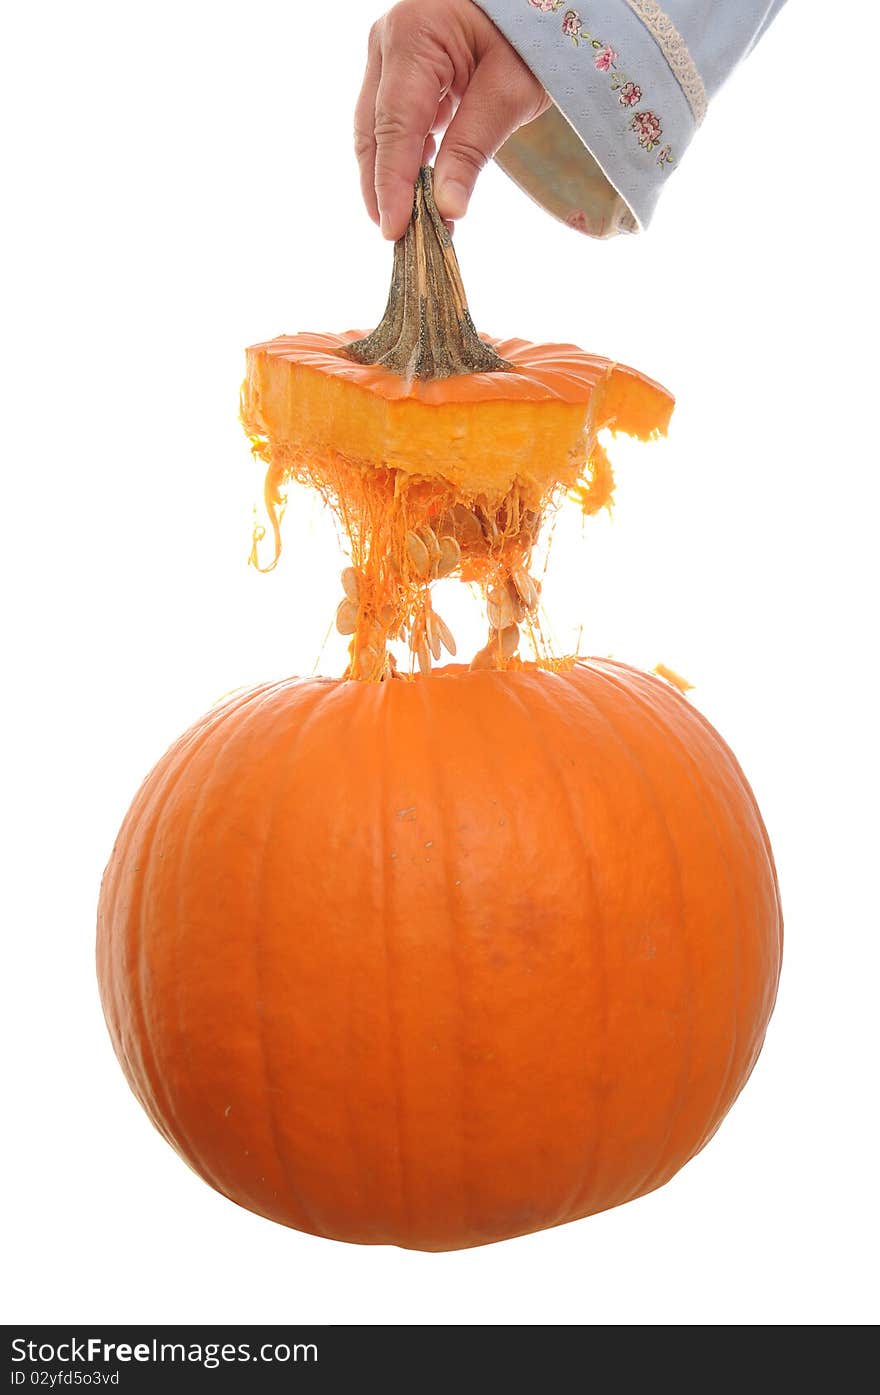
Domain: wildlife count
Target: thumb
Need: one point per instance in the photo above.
(499, 99)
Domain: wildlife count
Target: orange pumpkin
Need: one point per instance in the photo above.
(440, 962)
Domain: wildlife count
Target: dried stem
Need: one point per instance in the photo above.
(426, 331)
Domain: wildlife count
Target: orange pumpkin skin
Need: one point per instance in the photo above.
(438, 963)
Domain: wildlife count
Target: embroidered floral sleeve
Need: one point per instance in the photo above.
(645, 125)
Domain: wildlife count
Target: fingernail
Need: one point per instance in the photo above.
(385, 226)
(452, 198)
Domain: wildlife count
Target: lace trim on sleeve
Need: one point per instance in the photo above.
(676, 53)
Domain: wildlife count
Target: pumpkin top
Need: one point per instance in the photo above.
(440, 451)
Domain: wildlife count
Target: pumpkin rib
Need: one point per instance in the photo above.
(737, 781)
(724, 1088)
(135, 832)
(168, 780)
(592, 1168)
(117, 969)
(394, 1047)
(484, 731)
(468, 1014)
(289, 728)
(361, 1150)
(650, 703)
(582, 858)
(443, 803)
(484, 726)
(649, 700)
(721, 752)
(332, 695)
(686, 975)
(297, 693)
(374, 1128)
(360, 1161)
(262, 1035)
(219, 737)
(596, 925)
(107, 960)
(715, 739)
(147, 1076)
(130, 827)
(163, 790)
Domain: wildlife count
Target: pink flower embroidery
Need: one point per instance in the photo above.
(571, 24)
(645, 124)
(577, 220)
(648, 129)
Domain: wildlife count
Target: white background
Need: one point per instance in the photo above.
(179, 183)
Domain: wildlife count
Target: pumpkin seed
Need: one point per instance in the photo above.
(531, 523)
(386, 615)
(519, 610)
(450, 556)
(423, 656)
(447, 638)
(487, 524)
(429, 538)
(500, 606)
(368, 657)
(351, 584)
(509, 639)
(525, 586)
(431, 634)
(418, 554)
(467, 526)
(346, 617)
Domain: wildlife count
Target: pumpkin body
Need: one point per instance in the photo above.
(441, 962)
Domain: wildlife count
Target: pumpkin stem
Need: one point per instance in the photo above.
(426, 331)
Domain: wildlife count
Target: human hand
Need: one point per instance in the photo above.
(435, 65)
